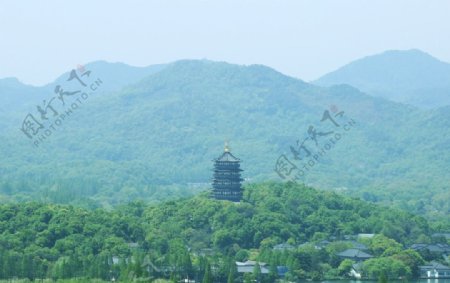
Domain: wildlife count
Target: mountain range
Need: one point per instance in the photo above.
(411, 77)
(151, 133)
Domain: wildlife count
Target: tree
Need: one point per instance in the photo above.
(257, 272)
(390, 267)
(273, 273)
(242, 255)
(248, 278)
(382, 245)
(207, 277)
(382, 278)
(345, 266)
(412, 259)
(232, 273)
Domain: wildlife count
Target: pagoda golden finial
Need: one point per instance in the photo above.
(227, 148)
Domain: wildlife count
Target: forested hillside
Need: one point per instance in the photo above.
(154, 139)
(183, 238)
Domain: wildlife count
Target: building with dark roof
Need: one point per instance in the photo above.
(356, 271)
(354, 254)
(227, 179)
(249, 265)
(282, 270)
(433, 248)
(358, 246)
(323, 243)
(434, 270)
(283, 247)
(445, 235)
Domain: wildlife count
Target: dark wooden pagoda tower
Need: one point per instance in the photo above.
(227, 177)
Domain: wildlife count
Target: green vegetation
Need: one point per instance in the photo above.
(72, 280)
(148, 140)
(201, 238)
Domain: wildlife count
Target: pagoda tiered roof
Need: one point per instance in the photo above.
(227, 156)
(227, 177)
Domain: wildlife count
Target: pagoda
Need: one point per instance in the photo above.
(227, 177)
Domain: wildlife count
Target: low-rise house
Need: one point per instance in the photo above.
(323, 243)
(365, 236)
(355, 255)
(444, 235)
(115, 260)
(358, 245)
(356, 270)
(434, 270)
(204, 252)
(317, 247)
(432, 248)
(283, 247)
(350, 237)
(133, 245)
(249, 265)
(282, 270)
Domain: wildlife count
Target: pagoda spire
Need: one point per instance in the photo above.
(227, 147)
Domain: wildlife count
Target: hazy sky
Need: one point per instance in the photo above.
(39, 40)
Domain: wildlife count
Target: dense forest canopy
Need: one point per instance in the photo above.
(181, 238)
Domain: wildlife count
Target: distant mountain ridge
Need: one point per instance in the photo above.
(19, 97)
(152, 136)
(412, 76)
(15, 94)
(118, 75)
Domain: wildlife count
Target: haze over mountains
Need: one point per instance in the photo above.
(147, 132)
(411, 77)
(16, 95)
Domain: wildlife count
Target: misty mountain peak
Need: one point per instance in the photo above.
(408, 76)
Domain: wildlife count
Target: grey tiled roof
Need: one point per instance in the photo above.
(434, 265)
(354, 253)
(284, 246)
(439, 248)
(249, 265)
(227, 156)
(249, 269)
